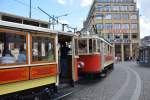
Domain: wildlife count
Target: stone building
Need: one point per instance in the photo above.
(118, 22)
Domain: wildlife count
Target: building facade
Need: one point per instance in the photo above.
(145, 41)
(118, 22)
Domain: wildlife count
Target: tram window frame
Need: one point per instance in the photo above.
(16, 46)
(44, 58)
(94, 45)
(90, 45)
(99, 46)
(76, 47)
(85, 51)
(106, 49)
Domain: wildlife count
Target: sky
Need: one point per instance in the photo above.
(77, 11)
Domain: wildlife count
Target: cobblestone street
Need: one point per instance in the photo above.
(128, 81)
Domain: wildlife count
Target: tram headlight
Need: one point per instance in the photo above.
(81, 64)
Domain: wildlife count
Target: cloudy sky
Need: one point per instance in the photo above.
(144, 6)
(77, 10)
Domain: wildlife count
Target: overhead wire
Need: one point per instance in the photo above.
(35, 8)
(20, 2)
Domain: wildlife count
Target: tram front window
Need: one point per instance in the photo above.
(82, 46)
(12, 47)
(43, 49)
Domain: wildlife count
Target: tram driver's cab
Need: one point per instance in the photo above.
(89, 54)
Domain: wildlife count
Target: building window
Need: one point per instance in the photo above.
(108, 16)
(125, 26)
(12, 47)
(108, 26)
(107, 8)
(134, 26)
(116, 16)
(116, 26)
(135, 36)
(134, 16)
(43, 48)
(115, 8)
(125, 16)
(117, 36)
(124, 8)
(98, 16)
(109, 37)
(99, 8)
(125, 36)
(99, 26)
(131, 8)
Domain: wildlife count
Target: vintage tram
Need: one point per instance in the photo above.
(95, 55)
(36, 61)
(30, 58)
(144, 56)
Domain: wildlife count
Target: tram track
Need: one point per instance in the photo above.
(123, 90)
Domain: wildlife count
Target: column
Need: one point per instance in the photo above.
(131, 50)
(122, 52)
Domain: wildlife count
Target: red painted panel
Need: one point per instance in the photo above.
(14, 75)
(92, 63)
(43, 71)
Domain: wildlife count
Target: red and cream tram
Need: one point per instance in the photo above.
(30, 58)
(95, 55)
(35, 60)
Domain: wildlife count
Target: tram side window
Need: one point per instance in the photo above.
(98, 45)
(90, 46)
(76, 47)
(82, 46)
(12, 48)
(94, 45)
(43, 49)
(106, 49)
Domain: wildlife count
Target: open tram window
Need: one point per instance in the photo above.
(43, 48)
(82, 46)
(12, 47)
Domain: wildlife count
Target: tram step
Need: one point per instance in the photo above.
(63, 92)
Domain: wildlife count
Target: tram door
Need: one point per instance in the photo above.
(65, 59)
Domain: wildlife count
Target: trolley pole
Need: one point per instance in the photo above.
(53, 21)
(30, 9)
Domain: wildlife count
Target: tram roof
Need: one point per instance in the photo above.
(32, 28)
(95, 37)
(24, 27)
(20, 25)
(4, 14)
